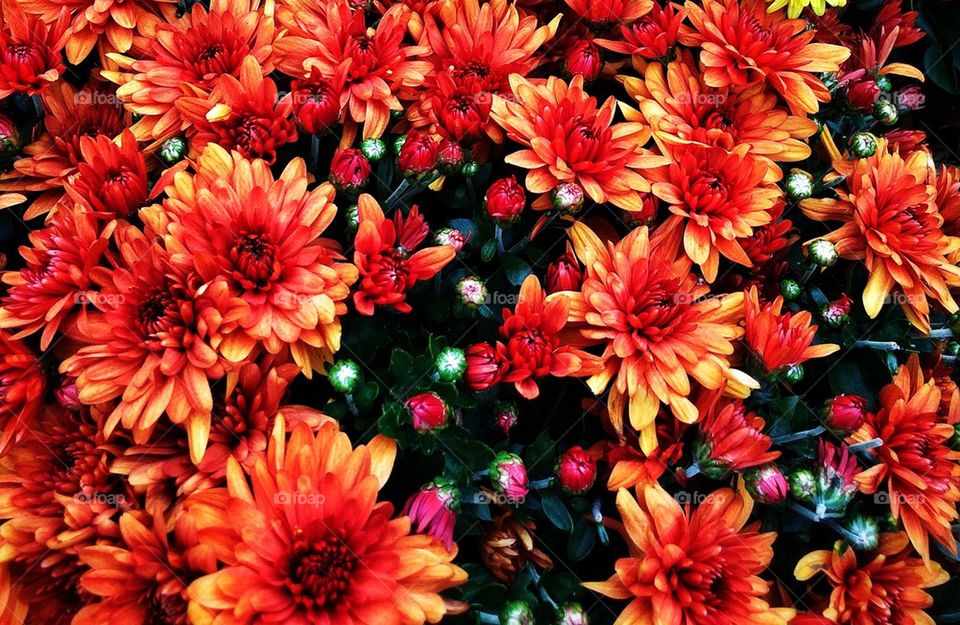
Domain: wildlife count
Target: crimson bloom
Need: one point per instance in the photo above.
(22, 384)
(433, 510)
(30, 49)
(112, 179)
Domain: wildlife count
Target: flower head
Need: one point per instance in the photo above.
(111, 181)
(780, 340)
(692, 567)
(651, 37)
(311, 538)
(433, 510)
(22, 384)
(30, 48)
(731, 438)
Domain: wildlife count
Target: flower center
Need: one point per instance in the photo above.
(254, 257)
(156, 312)
(324, 570)
(166, 609)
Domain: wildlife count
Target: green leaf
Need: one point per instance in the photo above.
(367, 394)
(488, 250)
(516, 269)
(400, 363)
(582, 540)
(556, 511)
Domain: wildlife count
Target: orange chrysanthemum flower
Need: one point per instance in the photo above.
(244, 115)
(260, 238)
(742, 44)
(692, 567)
(651, 37)
(45, 294)
(916, 463)
(312, 542)
(153, 345)
(731, 437)
(606, 12)
(330, 40)
(948, 203)
(717, 198)
(48, 162)
(181, 56)
(657, 329)
(22, 384)
(30, 49)
(111, 181)
(681, 108)
(779, 339)
(887, 590)
(891, 222)
(570, 140)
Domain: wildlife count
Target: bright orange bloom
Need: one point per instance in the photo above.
(376, 67)
(657, 329)
(692, 567)
(731, 437)
(69, 115)
(891, 222)
(741, 44)
(153, 345)
(139, 581)
(717, 199)
(570, 140)
(681, 108)
(948, 203)
(261, 239)
(22, 384)
(651, 37)
(30, 49)
(244, 115)
(312, 543)
(185, 56)
(887, 590)
(384, 254)
(45, 294)
(916, 464)
(779, 339)
(533, 348)
(607, 12)
(111, 181)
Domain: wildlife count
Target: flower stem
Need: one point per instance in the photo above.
(498, 233)
(397, 193)
(796, 436)
(540, 484)
(891, 346)
(486, 617)
(865, 445)
(942, 333)
(693, 470)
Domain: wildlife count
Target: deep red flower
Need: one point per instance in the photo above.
(433, 510)
(30, 49)
(485, 366)
(459, 110)
(583, 58)
(505, 200)
(22, 385)
(427, 411)
(418, 154)
(112, 179)
(731, 438)
(846, 412)
(892, 17)
(651, 37)
(349, 170)
(576, 470)
(316, 105)
(564, 274)
(384, 254)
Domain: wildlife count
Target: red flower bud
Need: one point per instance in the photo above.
(451, 155)
(349, 170)
(418, 155)
(505, 200)
(316, 105)
(506, 417)
(767, 484)
(846, 412)
(576, 470)
(583, 58)
(564, 274)
(428, 412)
(485, 367)
(9, 137)
(863, 94)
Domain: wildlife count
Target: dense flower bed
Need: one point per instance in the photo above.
(350, 312)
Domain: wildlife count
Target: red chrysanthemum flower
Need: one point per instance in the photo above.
(680, 108)
(385, 256)
(916, 464)
(331, 41)
(731, 437)
(892, 17)
(111, 181)
(692, 567)
(22, 385)
(716, 198)
(779, 339)
(891, 222)
(58, 274)
(888, 589)
(175, 57)
(30, 49)
(312, 542)
(260, 238)
(569, 139)
(603, 13)
(742, 44)
(531, 346)
(244, 115)
(48, 162)
(657, 328)
(651, 37)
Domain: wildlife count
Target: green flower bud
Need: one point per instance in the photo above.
(863, 144)
(568, 198)
(471, 292)
(173, 150)
(884, 84)
(516, 613)
(799, 185)
(867, 533)
(802, 484)
(352, 215)
(344, 376)
(823, 253)
(398, 143)
(790, 289)
(470, 169)
(451, 363)
(373, 149)
(572, 614)
(885, 112)
(793, 374)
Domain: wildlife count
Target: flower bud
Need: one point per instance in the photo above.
(450, 236)
(471, 292)
(352, 216)
(506, 416)
(846, 412)
(793, 374)
(837, 312)
(10, 142)
(316, 105)
(567, 198)
(799, 185)
(509, 475)
(516, 613)
(485, 367)
(583, 58)
(373, 149)
(884, 84)
(505, 200)
(451, 156)
(823, 253)
(344, 376)
(68, 395)
(470, 169)
(450, 363)
(790, 289)
(349, 170)
(802, 484)
(576, 470)
(173, 150)
(433, 510)
(767, 484)
(418, 155)
(863, 144)
(572, 614)
(564, 274)
(398, 143)
(865, 531)
(885, 112)
(427, 411)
